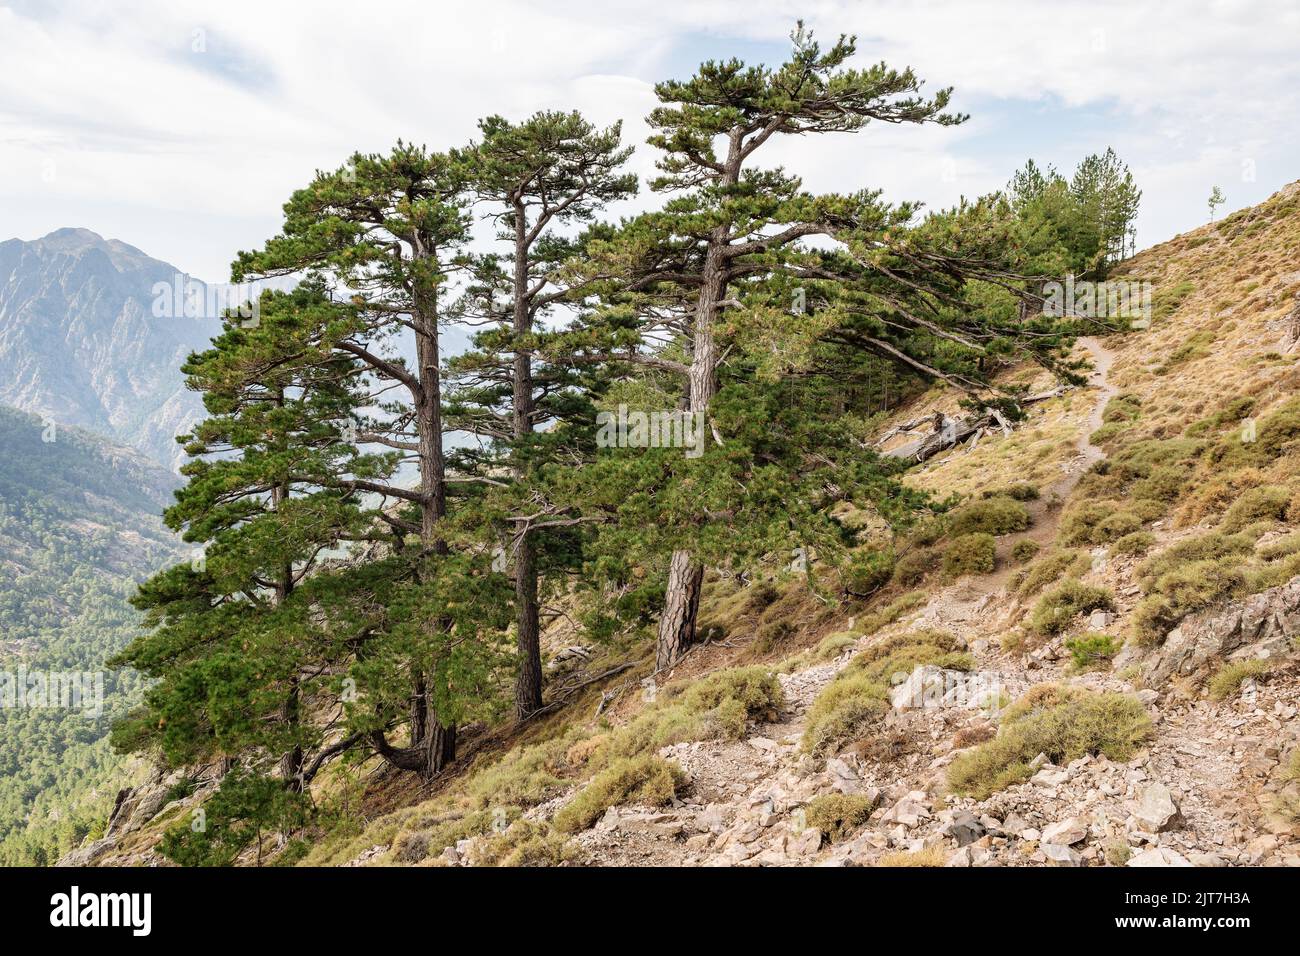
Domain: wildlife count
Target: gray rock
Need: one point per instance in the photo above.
(1156, 810)
(1266, 623)
(1066, 833)
(1059, 855)
(1158, 856)
(965, 828)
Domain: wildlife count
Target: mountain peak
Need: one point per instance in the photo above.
(71, 237)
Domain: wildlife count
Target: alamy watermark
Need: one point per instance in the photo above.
(186, 298)
(1100, 300)
(51, 690)
(653, 429)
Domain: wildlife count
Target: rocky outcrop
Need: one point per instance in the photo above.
(1262, 625)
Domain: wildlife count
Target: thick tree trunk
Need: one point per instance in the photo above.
(433, 744)
(440, 748)
(681, 605)
(291, 763)
(528, 686)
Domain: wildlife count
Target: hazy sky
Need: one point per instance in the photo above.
(182, 127)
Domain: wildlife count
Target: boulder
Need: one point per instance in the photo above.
(932, 686)
(1066, 833)
(965, 828)
(1156, 810)
(1158, 856)
(1265, 623)
(1059, 855)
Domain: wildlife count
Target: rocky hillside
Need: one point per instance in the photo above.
(79, 342)
(1090, 660)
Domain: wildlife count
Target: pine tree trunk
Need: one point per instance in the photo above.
(440, 748)
(430, 739)
(528, 686)
(685, 577)
(681, 604)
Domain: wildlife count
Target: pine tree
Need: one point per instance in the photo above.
(727, 220)
(229, 640)
(533, 178)
(386, 229)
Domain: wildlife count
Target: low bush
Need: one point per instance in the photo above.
(1090, 650)
(1025, 550)
(1049, 569)
(1058, 608)
(1020, 492)
(970, 554)
(996, 515)
(1229, 678)
(1139, 542)
(647, 779)
(838, 815)
(718, 706)
(1202, 548)
(1267, 503)
(857, 698)
(1188, 588)
(523, 843)
(845, 709)
(1062, 723)
(866, 571)
(911, 569)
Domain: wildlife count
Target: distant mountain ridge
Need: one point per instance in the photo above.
(80, 345)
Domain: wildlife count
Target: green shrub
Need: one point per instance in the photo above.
(1202, 548)
(845, 709)
(1275, 435)
(1066, 726)
(1281, 548)
(857, 698)
(1230, 677)
(1091, 649)
(1079, 523)
(867, 571)
(1188, 588)
(523, 843)
(1139, 542)
(1116, 526)
(1122, 408)
(912, 568)
(1267, 503)
(1025, 550)
(997, 515)
(891, 612)
(1020, 492)
(1164, 483)
(1049, 569)
(838, 815)
(884, 661)
(1058, 608)
(647, 779)
(714, 707)
(970, 554)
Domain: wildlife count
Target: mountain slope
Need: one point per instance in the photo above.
(78, 529)
(80, 345)
(1138, 618)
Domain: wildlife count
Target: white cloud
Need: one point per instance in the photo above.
(181, 127)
